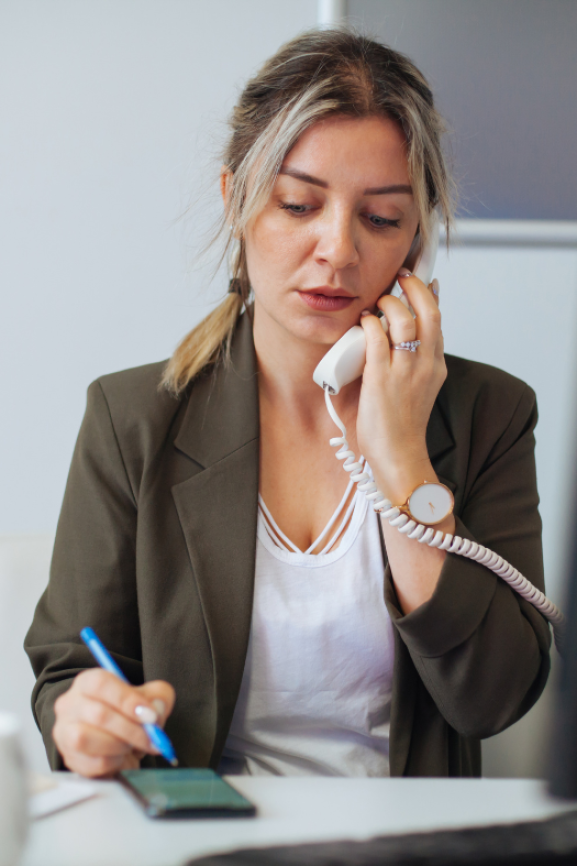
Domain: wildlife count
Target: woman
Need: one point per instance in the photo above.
(195, 534)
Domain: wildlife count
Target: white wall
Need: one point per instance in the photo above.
(113, 116)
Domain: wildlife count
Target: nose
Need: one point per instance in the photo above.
(337, 244)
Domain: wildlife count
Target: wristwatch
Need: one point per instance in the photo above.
(429, 503)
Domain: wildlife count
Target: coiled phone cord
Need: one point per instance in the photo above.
(443, 541)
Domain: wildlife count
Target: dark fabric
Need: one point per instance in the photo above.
(156, 542)
(552, 842)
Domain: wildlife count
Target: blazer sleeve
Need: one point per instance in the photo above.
(92, 574)
(481, 650)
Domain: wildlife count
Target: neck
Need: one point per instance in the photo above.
(286, 365)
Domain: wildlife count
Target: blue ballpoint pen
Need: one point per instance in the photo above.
(155, 734)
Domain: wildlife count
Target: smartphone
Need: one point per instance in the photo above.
(185, 793)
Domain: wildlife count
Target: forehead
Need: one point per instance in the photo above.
(369, 151)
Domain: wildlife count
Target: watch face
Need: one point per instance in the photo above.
(430, 503)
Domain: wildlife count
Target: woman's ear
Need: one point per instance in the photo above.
(225, 185)
(226, 180)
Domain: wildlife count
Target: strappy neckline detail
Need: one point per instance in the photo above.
(347, 516)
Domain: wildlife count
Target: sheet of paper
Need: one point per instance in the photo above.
(49, 794)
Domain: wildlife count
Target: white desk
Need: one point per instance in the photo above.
(111, 829)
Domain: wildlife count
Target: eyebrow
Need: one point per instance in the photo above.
(377, 190)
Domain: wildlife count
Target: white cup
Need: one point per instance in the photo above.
(13, 793)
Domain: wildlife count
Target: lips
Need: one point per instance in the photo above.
(326, 299)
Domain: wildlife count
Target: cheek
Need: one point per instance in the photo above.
(382, 259)
(274, 251)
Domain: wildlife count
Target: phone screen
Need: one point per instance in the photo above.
(185, 793)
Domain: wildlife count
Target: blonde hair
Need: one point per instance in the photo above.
(317, 75)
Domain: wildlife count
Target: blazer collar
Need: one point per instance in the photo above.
(222, 413)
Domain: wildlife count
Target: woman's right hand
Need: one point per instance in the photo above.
(98, 729)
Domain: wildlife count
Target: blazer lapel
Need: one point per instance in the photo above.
(217, 509)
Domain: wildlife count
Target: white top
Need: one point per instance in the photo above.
(315, 695)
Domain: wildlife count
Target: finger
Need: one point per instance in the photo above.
(440, 344)
(109, 767)
(107, 688)
(378, 345)
(161, 696)
(428, 322)
(93, 768)
(402, 326)
(82, 738)
(440, 350)
(132, 761)
(103, 717)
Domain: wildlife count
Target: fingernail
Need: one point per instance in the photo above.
(146, 715)
(404, 272)
(365, 313)
(435, 287)
(159, 706)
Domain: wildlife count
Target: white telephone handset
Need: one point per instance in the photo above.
(345, 361)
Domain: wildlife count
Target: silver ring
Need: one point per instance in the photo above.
(407, 346)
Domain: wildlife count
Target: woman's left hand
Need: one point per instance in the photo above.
(399, 389)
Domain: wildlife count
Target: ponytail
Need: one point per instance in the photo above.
(210, 341)
(204, 346)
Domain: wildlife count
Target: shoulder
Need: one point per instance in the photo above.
(139, 409)
(473, 375)
(471, 383)
(135, 395)
(137, 391)
(483, 403)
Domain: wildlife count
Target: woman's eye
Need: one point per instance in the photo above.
(381, 222)
(297, 209)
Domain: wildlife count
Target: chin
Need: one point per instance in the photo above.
(322, 330)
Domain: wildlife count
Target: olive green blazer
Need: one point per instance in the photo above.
(156, 543)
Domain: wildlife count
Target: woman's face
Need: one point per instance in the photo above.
(337, 227)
